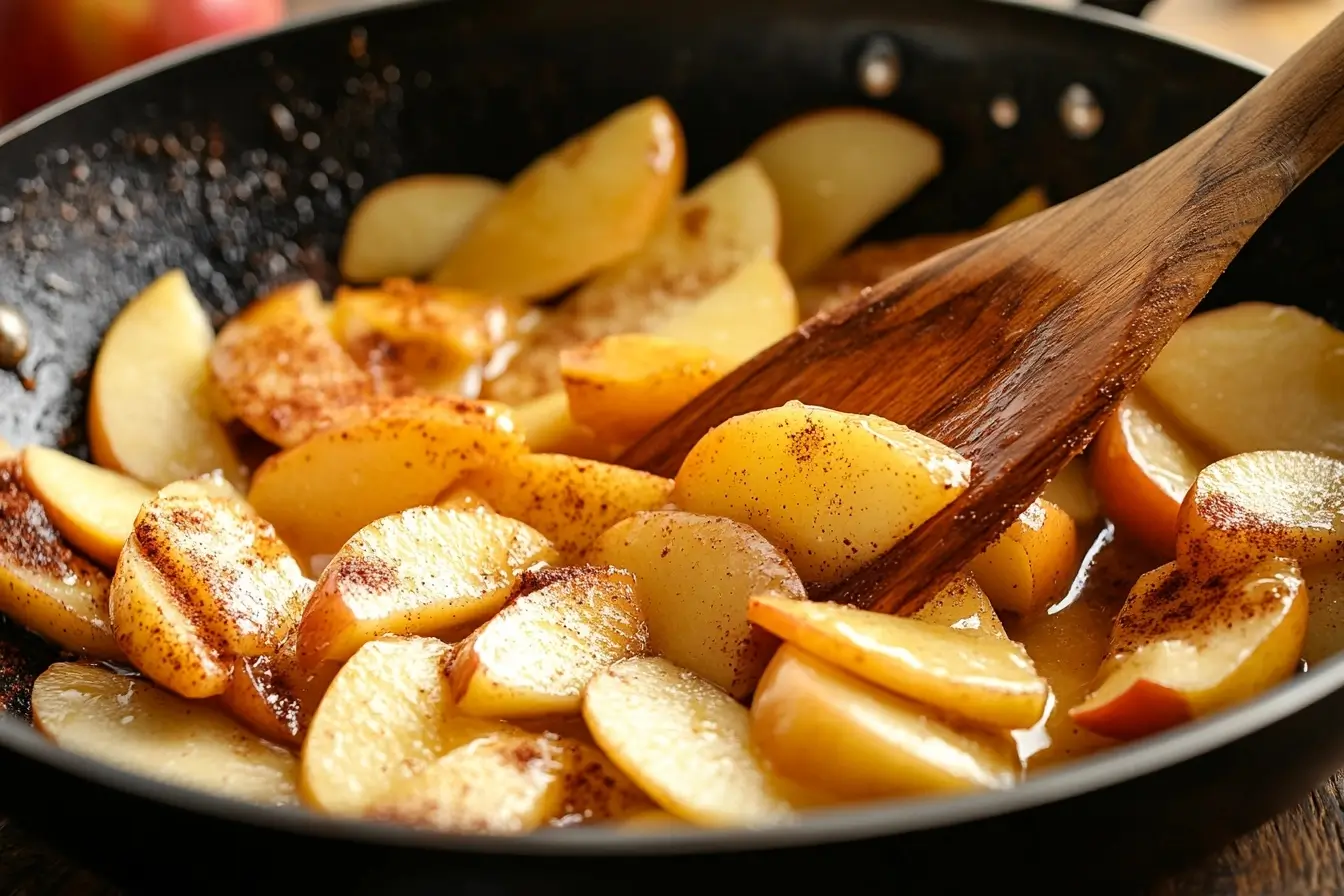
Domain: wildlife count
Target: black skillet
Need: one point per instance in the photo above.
(241, 163)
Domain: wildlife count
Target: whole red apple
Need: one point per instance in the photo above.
(50, 47)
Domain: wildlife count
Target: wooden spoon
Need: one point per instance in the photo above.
(1014, 348)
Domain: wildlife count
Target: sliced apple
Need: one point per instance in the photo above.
(568, 499)
(547, 425)
(281, 370)
(386, 716)
(560, 628)
(746, 313)
(44, 585)
(1032, 564)
(696, 574)
(727, 222)
(686, 744)
(92, 507)
(831, 490)
(1142, 468)
(981, 678)
(620, 387)
(131, 724)
(404, 228)
(512, 782)
(274, 695)
(875, 743)
(396, 454)
(1255, 377)
(201, 583)
(1072, 492)
(424, 571)
(1263, 504)
(150, 413)
(962, 604)
(575, 210)
(1184, 647)
(838, 172)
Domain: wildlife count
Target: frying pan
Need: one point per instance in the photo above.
(240, 162)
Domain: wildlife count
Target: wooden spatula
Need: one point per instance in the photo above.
(1013, 348)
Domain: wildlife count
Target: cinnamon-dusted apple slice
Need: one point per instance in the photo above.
(392, 455)
(130, 723)
(1184, 647)
(696, 574)
(1142, 467)
(1255, 377)
(962, 604)
(150, 412)
(981, 678)
(568, 499)
(386, 716)
(513, 782)
(832, 490)
(620, 387)
(686, 743)
(839, 171)
(575, 210)
(424, 571)
(1032, 564)
(727, 223)
(561, 627)
(874, 743)
(406, 227)
(92, 507)
(547, 426)
(274, 695)
(281, 370)
(202, 582)
(1263, 504)
(44, 585)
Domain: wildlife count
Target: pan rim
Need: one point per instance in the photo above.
(817, 827)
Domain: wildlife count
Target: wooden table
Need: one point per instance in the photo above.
(1300, 852)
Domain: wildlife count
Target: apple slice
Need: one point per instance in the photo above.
(1033, 563)
(576, 209)
(963, 605)
(424, 571)
(44, 585)
(393, 455)
(727, 222)
(1183, 647)
(1142, 468)
(560, 628)
(274, 695)
(1263, 504)
(202, 582)
(404, 228)
(746, 313)
(512, 782)
(547, 425)
(875, 743)
(129, 723)
(620, 387)
(696, 574)
(1071, 491)
(686, 743)
(838, 172)
(92, 507)
(831, 490)
(386, 716)
(981, 678)
(150, 414)
(282, 372)
(569, 500)
(1255, 377)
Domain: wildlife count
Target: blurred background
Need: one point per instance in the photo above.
(53, 46)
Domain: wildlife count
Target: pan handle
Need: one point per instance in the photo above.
(1128, 7)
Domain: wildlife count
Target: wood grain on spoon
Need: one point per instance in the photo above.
(1014, 347)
